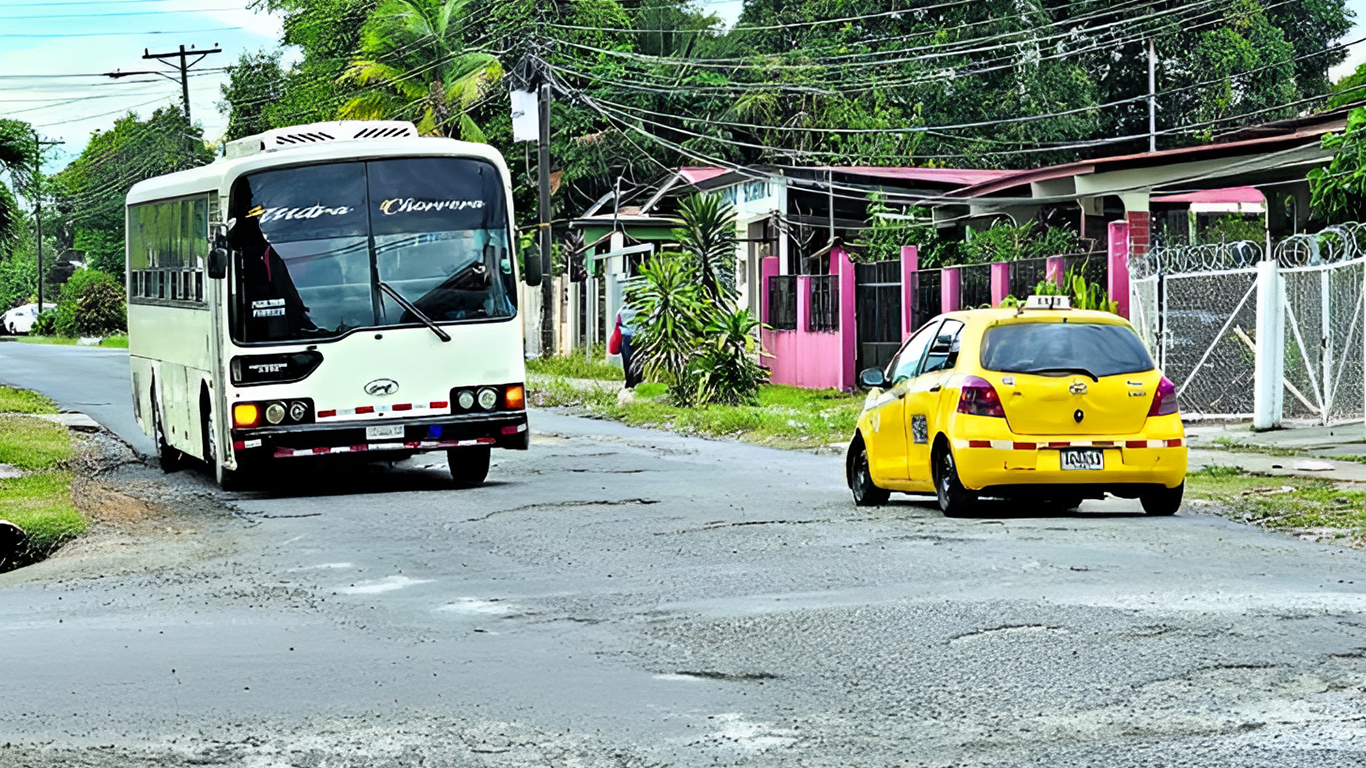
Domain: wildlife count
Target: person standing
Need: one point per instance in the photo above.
(621, 344)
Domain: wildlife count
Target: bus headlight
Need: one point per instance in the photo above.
(298, 410)
(516, 397)
(275, 413)
(465, 399)
(488, 398)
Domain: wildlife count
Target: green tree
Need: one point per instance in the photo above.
(256, 85)
(1338, 192)
(415, 64)
(708, 236)
(90, 193)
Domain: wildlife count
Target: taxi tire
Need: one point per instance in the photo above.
(1162, 501)
(866, 494)
(954, 499)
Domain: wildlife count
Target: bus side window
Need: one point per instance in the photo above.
(199, 286)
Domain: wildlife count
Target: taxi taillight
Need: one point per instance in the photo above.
(1164, 401)
(977, 397)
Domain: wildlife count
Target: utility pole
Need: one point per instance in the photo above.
(1152, 95)
(38, 205)
(543, 182)
(183, 67)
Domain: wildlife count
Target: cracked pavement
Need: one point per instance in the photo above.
(621, 597)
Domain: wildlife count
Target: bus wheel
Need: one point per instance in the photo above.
(227, 479)
(172, 460)
(469, 466)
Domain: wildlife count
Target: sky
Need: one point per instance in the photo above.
(91, 37)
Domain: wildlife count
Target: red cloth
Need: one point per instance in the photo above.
(614, 343)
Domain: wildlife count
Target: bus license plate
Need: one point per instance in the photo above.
(386, 431)
(1083, 458)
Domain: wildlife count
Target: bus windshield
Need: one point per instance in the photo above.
(316, 247)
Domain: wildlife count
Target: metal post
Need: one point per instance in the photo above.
(1268, 389)
(1152, 95)
(543, 182)
(38, 205)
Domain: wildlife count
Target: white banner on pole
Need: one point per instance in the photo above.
(526, 116)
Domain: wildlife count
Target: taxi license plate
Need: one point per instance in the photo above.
(1083, 458)
(386, 431)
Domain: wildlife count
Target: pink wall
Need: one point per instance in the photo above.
(814, 359)
(1000, 282)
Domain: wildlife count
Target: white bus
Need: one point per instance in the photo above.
(328, 289)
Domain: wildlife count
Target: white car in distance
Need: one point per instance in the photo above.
(21, 318)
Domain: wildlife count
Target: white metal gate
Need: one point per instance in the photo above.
(1195, 307)
(1324, 367)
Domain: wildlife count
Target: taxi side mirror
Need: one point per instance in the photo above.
(872, 378)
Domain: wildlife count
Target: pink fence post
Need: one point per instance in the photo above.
(768, 267)
(803, 303)
(910, 264)
(1118, 281)
(1000, 282)
(848, 324)
(949, 289)
(1055, 270)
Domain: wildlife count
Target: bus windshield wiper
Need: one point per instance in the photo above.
(1084, 371)
(411, 307)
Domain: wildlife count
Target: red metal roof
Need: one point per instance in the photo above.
(696, 175)
(958, 176)
(1226, 195)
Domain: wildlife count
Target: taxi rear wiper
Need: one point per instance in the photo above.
(411, 307)
(1093, 377)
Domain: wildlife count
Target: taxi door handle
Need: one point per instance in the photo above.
(936, 387)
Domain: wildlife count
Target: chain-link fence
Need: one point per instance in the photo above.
(1195, 308)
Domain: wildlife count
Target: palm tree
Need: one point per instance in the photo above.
(16, 155)
(414, 64)
(708, 235)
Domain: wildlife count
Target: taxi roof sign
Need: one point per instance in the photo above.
(1048, 302)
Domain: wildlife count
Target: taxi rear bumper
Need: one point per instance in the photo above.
(1130, 464)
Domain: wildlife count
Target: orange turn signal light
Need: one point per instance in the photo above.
(246, 415)
(515, 398)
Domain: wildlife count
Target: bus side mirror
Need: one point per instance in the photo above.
(218, 263)
(218, 255)
(531, 271)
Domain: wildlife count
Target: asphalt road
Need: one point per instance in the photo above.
(92, 380)
(622, 597)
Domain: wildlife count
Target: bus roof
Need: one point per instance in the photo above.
(219, 175)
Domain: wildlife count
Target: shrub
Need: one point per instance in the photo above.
(92, 304)
(45, 324)
(725, 370)
(672, 311)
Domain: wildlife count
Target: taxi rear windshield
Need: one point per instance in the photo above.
(1060, 348)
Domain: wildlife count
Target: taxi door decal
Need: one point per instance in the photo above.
(920, 429)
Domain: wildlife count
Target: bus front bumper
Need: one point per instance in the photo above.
(427, 433)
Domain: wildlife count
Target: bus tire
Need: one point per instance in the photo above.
(227, 479)
(469, 466)
(171, 459)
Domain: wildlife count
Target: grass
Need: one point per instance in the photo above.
(590, 366)
(24, 401)
(784, 417)
(109, 342)
(1282, 503)
(40, 500)
(1237, 446)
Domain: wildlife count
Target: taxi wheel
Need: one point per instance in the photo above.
(469, 466)
(954, 499)
(866, 494)
(1162, 501)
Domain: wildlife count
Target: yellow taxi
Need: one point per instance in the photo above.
(1041, 403)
